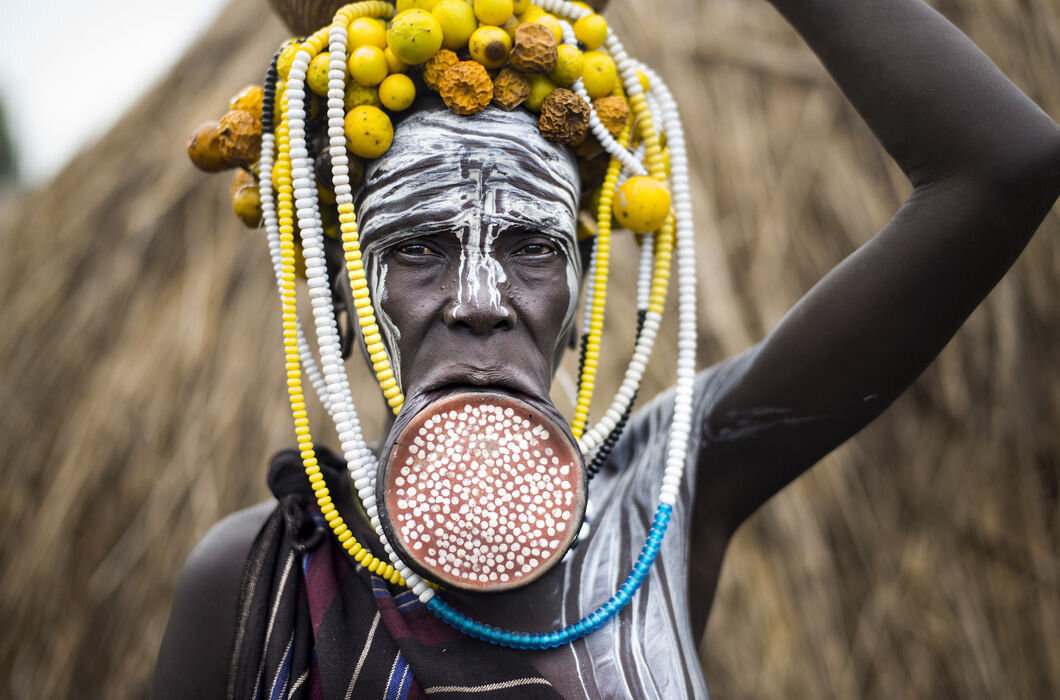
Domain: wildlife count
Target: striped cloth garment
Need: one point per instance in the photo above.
(312, 624)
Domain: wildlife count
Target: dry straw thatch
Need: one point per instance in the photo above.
(143, 381)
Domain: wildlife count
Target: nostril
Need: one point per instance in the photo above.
(480, 319)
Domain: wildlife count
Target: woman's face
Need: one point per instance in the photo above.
(468, 228)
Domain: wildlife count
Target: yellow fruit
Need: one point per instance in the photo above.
(510, 26)
(552, 23)
(591, 30)
(494, 12)
(520, 6)
(414, 36)
(325, 196)
(598, 74)
(357, 95)
(530, 13)
(641, 204)
(568, 65)
(368, 65)
(246, 203)
(428, 5)
(249, 99)
(286, 57)
(364, 31)
(457, 20)
(317, 75)
(490, 46)
(397, 92)
(368, 131)
(394, 64)
(540, 87)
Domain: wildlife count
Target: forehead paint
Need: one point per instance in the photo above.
(473, 177)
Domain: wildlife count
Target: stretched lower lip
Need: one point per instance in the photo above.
(441, 391)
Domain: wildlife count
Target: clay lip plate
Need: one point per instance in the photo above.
(507, 516)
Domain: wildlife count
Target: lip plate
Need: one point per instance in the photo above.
(388, 494)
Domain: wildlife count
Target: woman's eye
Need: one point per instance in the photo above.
(417, 250)
(536, 249)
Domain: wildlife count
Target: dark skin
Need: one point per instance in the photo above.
(984, 163)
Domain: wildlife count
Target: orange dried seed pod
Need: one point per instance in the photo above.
(510, 88)
(564, 117)
(436, 66)
(613, 112)
(466, 88)
(534, 49)
(240, 137)
(204, 149)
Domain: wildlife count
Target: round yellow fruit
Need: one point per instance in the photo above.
(510, 25)
(540, 87)
(428, 5)
(286, 57)
(357, 95)
(397, 92)
(365, 31)
(414, 36)
(317, 75)
(598, 74)
(641, 204)
(530, 13)
(457, 21)
(246, 202)
(494, 12)
(569, 65)
(490, 46)
(394, 64)
(368, 131)
(520, 6)
(368, 65)
(591, 30)
(552, 23)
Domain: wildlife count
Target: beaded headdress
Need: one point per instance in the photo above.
(327, 103)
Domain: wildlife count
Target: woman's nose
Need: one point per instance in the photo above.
(481, 313)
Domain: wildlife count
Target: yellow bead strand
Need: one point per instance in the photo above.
(587, 381)
(362, 300)
(664, 239)
(285, 215)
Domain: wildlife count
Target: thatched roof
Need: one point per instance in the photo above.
(142, 374)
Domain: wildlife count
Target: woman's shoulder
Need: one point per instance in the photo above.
(194, 657)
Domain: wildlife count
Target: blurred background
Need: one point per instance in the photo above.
(141, 368)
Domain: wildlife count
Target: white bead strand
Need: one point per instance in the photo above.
(687, 334)
(362, 466)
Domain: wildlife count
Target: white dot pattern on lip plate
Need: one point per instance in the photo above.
(481, 494)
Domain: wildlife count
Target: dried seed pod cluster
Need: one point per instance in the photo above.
(471, 54)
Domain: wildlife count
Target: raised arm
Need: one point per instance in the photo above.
(985, 165)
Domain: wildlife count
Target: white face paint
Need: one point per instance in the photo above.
(474, 177)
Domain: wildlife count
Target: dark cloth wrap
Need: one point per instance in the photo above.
(314, 624)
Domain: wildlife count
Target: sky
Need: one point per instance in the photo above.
(67, 70)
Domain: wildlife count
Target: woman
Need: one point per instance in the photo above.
(985, 166)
